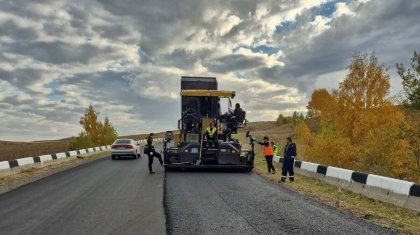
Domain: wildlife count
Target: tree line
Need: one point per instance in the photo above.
(360, 127)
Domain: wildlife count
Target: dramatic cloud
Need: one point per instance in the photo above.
(126, 57)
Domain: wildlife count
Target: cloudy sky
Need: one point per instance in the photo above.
(126, 57)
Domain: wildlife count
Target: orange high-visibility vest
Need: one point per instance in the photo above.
(268, 150)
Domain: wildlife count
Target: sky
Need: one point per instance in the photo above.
(126, 57)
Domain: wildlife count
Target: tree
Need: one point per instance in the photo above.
(330, 147)
(91, 125)
(363, 99)
(361, 128)
(108, 134)
(322, 105)
(303, 139)
(411, 81)
(283, 120)
(94, 131)
(83, 141)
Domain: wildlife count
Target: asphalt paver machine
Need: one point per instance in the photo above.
(201, 105)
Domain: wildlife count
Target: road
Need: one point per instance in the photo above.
(120, 197)
(244, 203)
(101, 197)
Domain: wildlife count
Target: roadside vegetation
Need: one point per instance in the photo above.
(95, 132)
(403, 220)
(358, 126)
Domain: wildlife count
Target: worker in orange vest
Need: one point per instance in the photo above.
(268, 154)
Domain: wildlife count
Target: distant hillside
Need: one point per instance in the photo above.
(269, 128)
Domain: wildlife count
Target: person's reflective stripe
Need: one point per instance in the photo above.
(290, 176)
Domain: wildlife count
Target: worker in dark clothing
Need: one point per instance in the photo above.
(237, 110)
(211, 134)
(151, 152)
(289, 160)
(268, 154)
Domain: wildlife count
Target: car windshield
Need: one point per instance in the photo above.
(122, 141)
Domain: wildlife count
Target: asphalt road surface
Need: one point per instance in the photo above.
(120, 197)
(243, 203)
(101, 197)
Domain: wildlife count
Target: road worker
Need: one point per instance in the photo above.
(289, 160)
(151, 152)
(268, 154)
(211, 134)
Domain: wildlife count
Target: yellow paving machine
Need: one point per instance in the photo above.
(200, 106)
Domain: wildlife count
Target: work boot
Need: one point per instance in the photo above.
(282, 180)
(273, 172)
(152, 172)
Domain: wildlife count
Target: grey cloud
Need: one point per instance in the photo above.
(231, 63)
(13, 30)
(384, 27)
(23, 78)
(59, 52)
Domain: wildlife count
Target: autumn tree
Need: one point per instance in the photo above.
(91, 125)
(303, 139)
(94, 131)
(364, 105)
(322, 105)
(411, 81)
(361, 128)
(108, 133)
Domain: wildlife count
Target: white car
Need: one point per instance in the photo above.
(125, 147)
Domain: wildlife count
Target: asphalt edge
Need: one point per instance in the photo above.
(168, 220)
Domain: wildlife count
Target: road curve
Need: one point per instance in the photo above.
(242, 203)
(101, 197)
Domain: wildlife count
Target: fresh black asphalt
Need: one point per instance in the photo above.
(102, 197)
(120, 197)
(244, 203)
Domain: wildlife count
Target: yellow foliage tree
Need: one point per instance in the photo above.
(322, 105)
(303, 139)
(94, 131)
(332, 148)
(361, 127)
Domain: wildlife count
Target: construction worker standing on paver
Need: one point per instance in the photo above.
(289, 160)
(268, 154)
(211, 134)
(151, 152)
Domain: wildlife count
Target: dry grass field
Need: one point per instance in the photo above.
(10, 150)
(275, 133)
